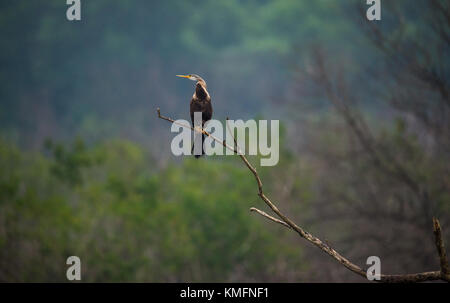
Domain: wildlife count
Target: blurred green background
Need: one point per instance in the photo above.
(86, 167)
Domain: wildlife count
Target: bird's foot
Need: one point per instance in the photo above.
(198, 129)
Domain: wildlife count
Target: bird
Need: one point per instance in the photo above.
(200, 102)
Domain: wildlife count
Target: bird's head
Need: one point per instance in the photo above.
(192, 77)
(200, 87)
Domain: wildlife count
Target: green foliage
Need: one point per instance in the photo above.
(67, 165)
(128, 221)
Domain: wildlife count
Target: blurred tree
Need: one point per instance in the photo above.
(384, 174)
(128, 221)
(102, 76)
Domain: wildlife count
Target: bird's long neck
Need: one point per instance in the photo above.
(202, 82)
(200, 89)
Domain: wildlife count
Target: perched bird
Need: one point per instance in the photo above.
(200, 102)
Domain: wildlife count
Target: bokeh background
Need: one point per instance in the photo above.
(86, 167)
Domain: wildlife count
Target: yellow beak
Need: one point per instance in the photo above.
(183, 76)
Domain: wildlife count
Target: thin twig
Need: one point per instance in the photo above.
(264, 214)
(445, 272)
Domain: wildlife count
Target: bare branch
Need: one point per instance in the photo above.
(264, 214)
(445, 272)
(285, 221)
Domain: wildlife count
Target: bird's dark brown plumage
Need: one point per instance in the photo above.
(201, 102)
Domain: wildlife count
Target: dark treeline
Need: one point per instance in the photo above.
(106, 74)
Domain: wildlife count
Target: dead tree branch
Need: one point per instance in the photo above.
(264, 214)
(442, 274)
(445, 271)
